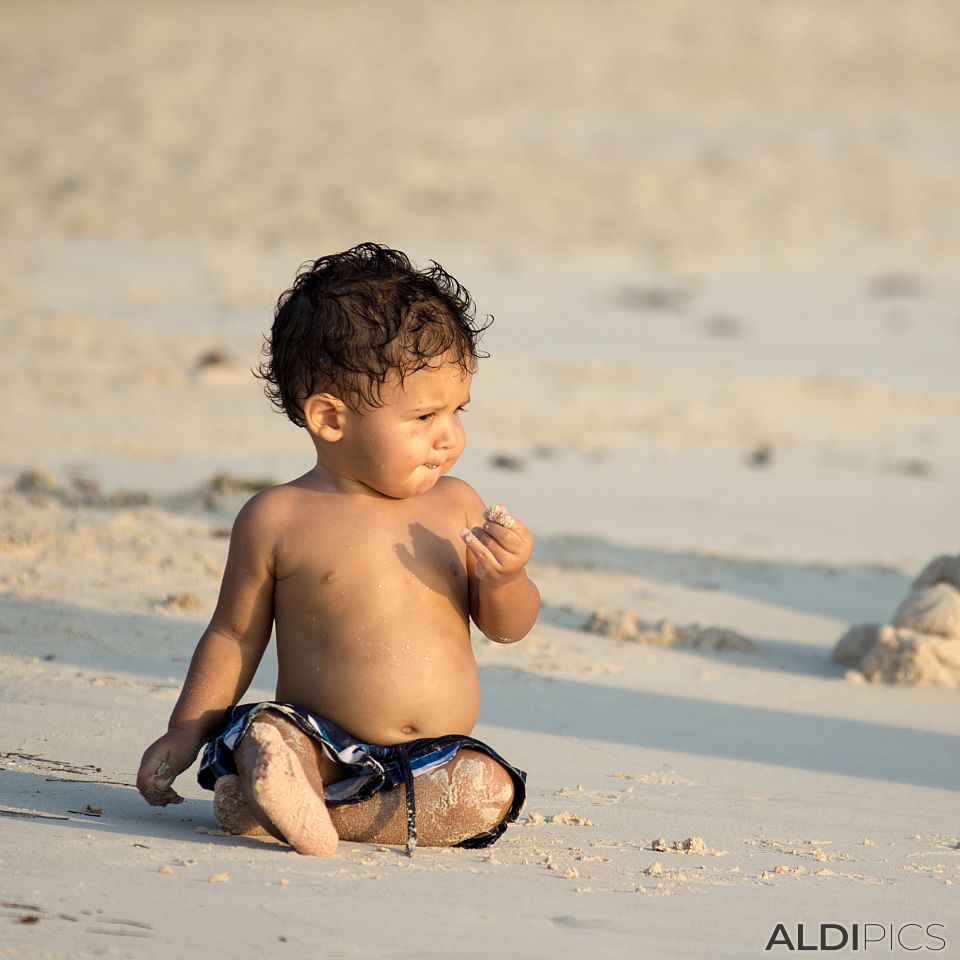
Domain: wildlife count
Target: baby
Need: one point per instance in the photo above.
(370, 566)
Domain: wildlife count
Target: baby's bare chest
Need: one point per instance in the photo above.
(370, 568)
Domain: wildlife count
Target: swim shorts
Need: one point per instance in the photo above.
(372, 767)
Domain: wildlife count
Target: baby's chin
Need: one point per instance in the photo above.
(421, 481)
(426, 478)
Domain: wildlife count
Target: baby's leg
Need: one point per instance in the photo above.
(281, 774)
(466, 796)
(232, 811)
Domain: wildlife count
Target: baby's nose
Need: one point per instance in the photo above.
(446, 437)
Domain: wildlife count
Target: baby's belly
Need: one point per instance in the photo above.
(384, 690)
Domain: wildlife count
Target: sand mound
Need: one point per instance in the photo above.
(922, 644)
(628, 626)
(945, 569)
(40, 486)
(933, 610)
(889, 654)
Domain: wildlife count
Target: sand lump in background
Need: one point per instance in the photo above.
(223, 492)
(628, 626)
(922, 644)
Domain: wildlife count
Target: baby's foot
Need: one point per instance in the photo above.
(232, 811)
(282, 791)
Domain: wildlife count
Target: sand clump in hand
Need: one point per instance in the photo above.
(628, 626)
(922, 644)
(498, 513)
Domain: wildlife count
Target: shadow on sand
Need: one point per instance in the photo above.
(844, 593)
(556, 706)
(855, 748)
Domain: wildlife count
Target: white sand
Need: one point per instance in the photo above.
(718, 241)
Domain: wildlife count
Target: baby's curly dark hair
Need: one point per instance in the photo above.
(352, 318)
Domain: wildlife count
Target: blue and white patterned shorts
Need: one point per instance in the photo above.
(372, 767)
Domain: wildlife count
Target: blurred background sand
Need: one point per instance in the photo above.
(695, 134)
(719, 239)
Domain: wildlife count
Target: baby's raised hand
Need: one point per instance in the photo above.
(502, 546)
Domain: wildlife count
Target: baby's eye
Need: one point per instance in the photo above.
(426, 417)
(463, 409)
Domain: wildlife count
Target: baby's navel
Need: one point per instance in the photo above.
(407, 730)
(329, 577)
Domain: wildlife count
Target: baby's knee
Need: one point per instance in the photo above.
(483, 786)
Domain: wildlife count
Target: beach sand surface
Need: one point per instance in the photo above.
(719, 241)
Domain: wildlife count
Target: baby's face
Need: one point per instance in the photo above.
(402, 448)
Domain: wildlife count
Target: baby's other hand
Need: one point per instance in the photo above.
(502, 546)
(162, 763)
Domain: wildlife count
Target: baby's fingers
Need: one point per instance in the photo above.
(494, 560)
(154, 781)
(167, 795)
(499, 514)
(477, 543)
(505, 529)
(512, 539)
(158, 792)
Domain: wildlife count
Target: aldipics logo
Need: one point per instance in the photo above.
(858, 936)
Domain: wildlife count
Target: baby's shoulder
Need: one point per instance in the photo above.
(267, 512)
(458, 495)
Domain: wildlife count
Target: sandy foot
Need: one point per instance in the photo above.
(232, 811)
(282, 791)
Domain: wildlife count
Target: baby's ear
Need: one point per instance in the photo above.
(324, 416)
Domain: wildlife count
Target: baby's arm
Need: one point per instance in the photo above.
(504, 601)
(227, 655)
